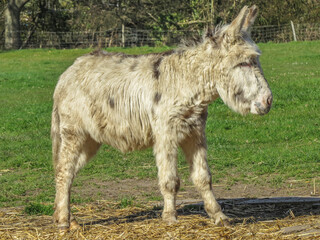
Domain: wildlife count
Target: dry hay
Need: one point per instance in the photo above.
(104, 220)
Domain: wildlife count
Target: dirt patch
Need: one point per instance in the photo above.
(147, 190)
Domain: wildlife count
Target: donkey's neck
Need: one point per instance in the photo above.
(192, 74)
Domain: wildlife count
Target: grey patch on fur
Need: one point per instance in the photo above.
(156, 64)
(111, 102)
(157, 98)
(133, 66)
(156, 72)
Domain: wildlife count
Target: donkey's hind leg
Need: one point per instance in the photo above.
(195, 151)
(75, 151)
(89, 149)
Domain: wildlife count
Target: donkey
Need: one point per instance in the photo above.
(155, 100)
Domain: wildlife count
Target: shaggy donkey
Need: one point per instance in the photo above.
(160, 100)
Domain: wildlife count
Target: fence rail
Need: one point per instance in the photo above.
(134, 37)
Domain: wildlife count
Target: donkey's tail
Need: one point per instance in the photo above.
(55, 135)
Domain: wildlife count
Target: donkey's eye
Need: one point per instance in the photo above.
(254, 61)
(244, 64)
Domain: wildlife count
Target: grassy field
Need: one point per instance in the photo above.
(269, 150)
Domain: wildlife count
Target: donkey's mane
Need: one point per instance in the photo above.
(209, 32)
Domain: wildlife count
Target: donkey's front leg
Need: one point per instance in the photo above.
(195, 151)
(166, 157)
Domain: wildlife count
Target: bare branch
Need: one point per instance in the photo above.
(156, 20)
(193, 22)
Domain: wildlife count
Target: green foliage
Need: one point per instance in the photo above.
(269, 150)
(38, 209)
(126, 202)
(97, 15)
(160, 15)
(45, 16)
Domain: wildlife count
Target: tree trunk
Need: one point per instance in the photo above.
(12, 23)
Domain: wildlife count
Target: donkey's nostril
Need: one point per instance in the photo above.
(269, 100)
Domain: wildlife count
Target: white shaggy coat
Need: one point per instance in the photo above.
(155, 100)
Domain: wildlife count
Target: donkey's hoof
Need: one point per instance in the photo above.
(169, 217)
(222, 220)
(74, 225)
(171, 220)
(63, 230)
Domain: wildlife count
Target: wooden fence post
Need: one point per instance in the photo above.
(294, 32)
(123, 38)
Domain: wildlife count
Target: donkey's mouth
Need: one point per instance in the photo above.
(260, 109)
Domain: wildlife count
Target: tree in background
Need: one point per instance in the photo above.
(90, 15)
(196, 14)
(44, 15)
(12, 23)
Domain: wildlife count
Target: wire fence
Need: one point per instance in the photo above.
(127, 37)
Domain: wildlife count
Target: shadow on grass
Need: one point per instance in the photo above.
(240, 210)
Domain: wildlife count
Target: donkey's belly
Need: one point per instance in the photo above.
(124, 136)
(128, 143)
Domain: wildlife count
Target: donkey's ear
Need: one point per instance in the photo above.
(237, 24)
(251, 17)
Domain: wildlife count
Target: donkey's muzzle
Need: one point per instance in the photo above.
(263, 107)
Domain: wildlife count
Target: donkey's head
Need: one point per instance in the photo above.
(241, 83)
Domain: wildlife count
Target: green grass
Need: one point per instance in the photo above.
(266, 150)
(38, 209)
(126, 202)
